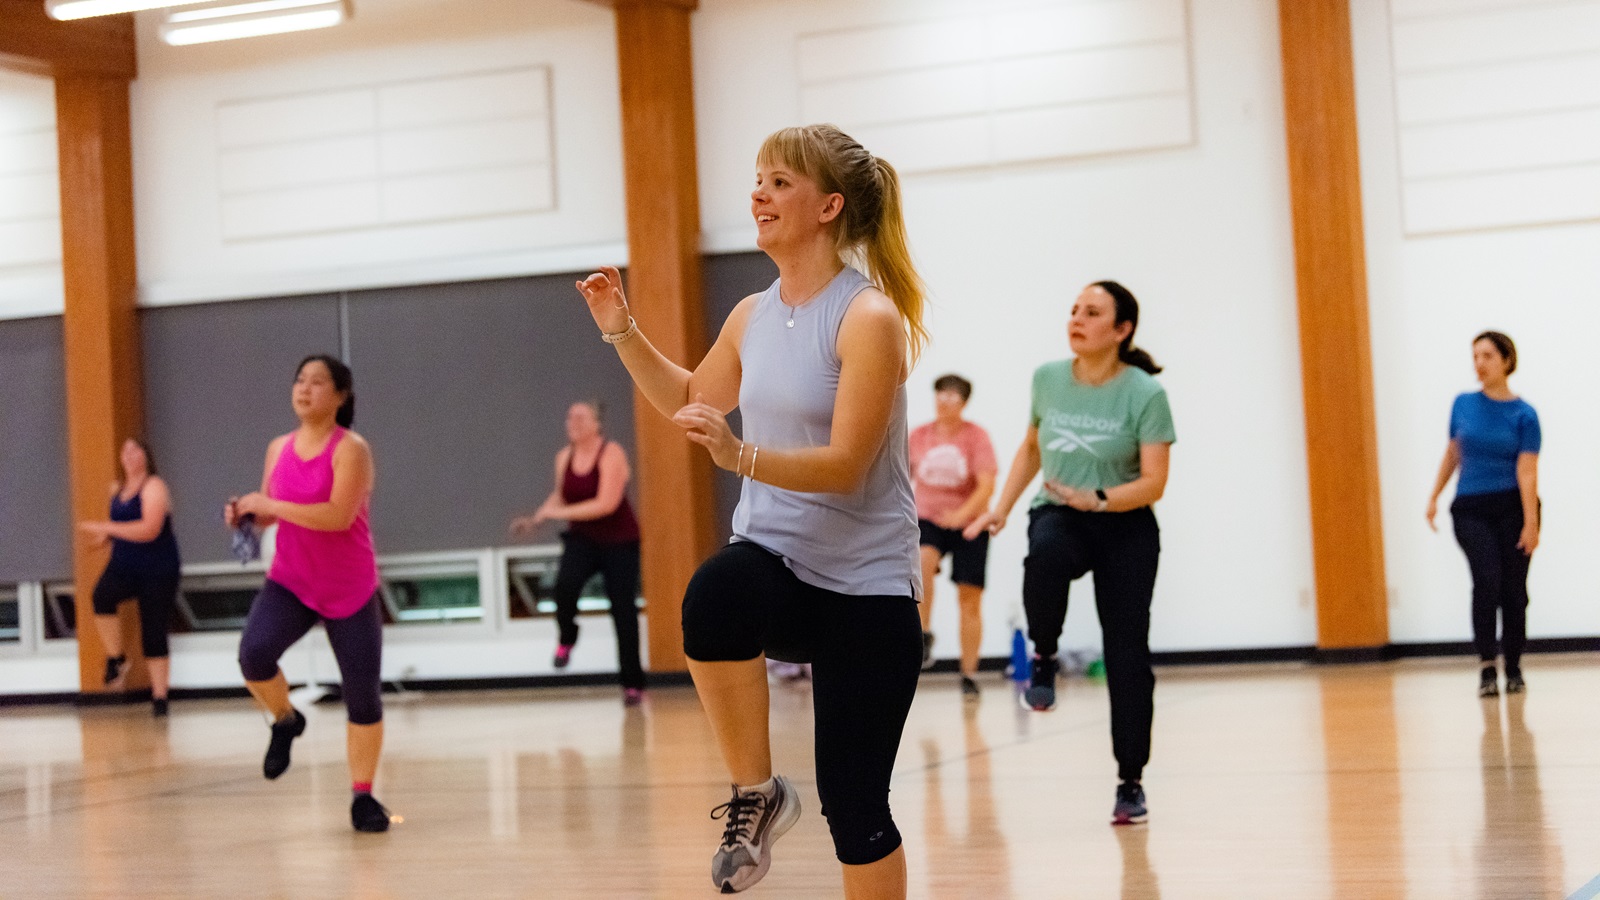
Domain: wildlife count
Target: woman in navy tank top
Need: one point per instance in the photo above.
(602, 536)
(823, 567)
(144, 567)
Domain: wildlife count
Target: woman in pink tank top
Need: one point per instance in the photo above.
(602, 536)
(317, 487)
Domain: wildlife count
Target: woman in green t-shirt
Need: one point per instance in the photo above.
(1101, 432)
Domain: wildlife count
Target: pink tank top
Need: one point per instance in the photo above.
(332, 572)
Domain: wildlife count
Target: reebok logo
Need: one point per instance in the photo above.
(1069, 441)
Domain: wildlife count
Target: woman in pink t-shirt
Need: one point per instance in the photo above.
(953, 472)
(317, 487)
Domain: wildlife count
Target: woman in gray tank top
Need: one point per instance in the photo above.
(823, 567)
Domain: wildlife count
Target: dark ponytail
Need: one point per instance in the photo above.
(344, 382)
(1128, 311)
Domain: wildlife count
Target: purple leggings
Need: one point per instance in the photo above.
(278, 619)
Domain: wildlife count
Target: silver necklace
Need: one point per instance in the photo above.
(790, 323)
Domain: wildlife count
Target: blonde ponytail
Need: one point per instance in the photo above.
(889, 260)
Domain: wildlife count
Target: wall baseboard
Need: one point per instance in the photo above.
(1241, 656)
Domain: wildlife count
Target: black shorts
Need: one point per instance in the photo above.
(156, 595)
(969, 560)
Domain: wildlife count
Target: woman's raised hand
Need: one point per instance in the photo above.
(707, 426)
(603, 292)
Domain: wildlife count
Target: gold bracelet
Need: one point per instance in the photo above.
(739, 463)
(617, 337)
(753, 454)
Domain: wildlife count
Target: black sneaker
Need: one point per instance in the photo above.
(755, 822)
(1130, 805)
(927, 650)
(1514, 683)
(158, 708)
(367, 814)
(283, 734)
(1041, 693)
(1486, 683)
(969, 688)
(115, 667)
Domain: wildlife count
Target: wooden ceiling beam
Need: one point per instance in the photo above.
(31, 41)
(674, 4)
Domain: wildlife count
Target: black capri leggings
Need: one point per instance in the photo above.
(618, 565)
(1488, 527)
(865, 655)
(156, 595)
(1122, 549)
(278, 619)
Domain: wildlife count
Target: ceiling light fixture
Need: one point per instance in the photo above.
(223, 21)
(66, 10)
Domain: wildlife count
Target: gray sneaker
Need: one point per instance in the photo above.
(755, 822)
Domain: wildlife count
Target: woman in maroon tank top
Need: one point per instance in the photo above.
(602, 536)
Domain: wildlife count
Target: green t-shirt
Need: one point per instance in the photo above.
(1089, 437)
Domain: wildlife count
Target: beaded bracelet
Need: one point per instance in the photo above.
(617, 337)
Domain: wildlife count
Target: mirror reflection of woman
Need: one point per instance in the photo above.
(1494, 443)
(602, 537)
(317, 487)
(144, 566)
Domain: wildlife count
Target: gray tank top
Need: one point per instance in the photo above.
(861, 543)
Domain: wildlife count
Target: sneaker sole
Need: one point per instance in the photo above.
(785, 821)
(1022, 700)
(1130, 820)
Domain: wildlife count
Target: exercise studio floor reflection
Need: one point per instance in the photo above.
(1372, 781)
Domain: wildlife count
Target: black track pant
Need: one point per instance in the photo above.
(618, 565)
(865, 654)
(1122, 550)
(1487, 527)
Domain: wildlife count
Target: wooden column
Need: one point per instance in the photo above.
(92, 62)
(662, 184)
(104, 383)
(1335, 347)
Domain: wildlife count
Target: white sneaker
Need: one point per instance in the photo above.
(755, 821)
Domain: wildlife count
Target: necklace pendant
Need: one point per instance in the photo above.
(790, 323)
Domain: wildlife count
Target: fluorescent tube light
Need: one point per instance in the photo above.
(66, 10)
(250, 18)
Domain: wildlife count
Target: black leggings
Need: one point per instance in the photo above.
(1487, 527)
(865, 655)
(278, 619)
(156, 595)
(1122, 550)
(618, 565)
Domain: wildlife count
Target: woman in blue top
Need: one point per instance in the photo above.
(144, 566)
(1494, 441)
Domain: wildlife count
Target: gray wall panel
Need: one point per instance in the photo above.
(463, 391)
(35, 497)
(217, 382)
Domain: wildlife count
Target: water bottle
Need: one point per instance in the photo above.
(1021, 668)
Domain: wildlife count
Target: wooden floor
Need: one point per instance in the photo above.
(1376, 781)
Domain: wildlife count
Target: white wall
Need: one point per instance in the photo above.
(1495, 68)
(416, 147)
(30, 198)
(1200, 232)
